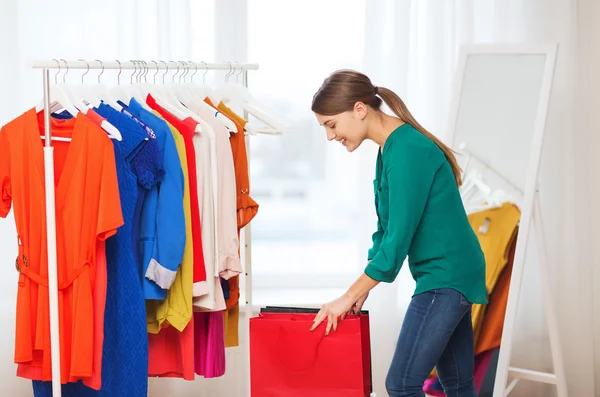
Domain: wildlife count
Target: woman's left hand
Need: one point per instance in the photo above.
(332, 311)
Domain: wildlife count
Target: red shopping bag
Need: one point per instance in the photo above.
(365, 337)
(287, 359)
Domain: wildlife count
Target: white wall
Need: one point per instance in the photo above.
(587, 126)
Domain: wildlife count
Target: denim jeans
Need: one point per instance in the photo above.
(436, 332)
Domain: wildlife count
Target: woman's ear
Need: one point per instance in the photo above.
(360, 110)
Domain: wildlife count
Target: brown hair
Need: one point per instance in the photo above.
(344, 88)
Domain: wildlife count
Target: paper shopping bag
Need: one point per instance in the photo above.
(287, 359)
(365, 337)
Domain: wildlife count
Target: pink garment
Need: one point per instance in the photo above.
(209, 346)
(428, 388)
(482, 361)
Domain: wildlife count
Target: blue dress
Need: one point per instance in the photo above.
(162, 218)
(125, 349)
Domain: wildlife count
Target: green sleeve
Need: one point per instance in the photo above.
(410, 174)
(378, 234)
(376, 237)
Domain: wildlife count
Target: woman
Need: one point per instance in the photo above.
(420, 215)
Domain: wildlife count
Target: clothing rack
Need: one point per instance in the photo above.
(46, 66)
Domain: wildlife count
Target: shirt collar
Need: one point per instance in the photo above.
(134, 107)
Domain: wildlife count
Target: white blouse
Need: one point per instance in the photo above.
(217, 198)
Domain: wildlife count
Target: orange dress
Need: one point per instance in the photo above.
(247, 209)
(87, 210)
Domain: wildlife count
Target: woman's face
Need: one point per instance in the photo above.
(348, 128)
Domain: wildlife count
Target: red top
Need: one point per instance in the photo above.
(187, 128)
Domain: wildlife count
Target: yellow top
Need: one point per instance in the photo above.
(495, 228)
(231, 114)
(177, 310)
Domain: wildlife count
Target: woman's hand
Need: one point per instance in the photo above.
(332, 311)
(359, 304)
(348, 303)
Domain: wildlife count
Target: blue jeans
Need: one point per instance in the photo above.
(436, 332)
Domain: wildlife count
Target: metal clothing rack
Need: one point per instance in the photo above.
(49, 181)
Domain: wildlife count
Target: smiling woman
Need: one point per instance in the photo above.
(421, 216)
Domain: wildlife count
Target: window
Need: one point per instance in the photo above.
(307, 232)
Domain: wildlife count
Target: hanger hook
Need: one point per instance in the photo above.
(195, 71)
(57, 73)
(177, 72)
(229, 72)
(205, 71)
(146, 70)
(139, 72)
(120, 70)
(134, 71)
(166, 71)
(87, 71)
(101, 64)
(187, 70)
(237, 76)
(232, 70)
(154, 77)
(67, 67)
(184, 72)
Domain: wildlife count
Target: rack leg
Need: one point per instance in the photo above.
(511, 308)
(248, 258)
(503, 369)
(51, 241)
(551, 320)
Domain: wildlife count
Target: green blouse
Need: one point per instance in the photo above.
(421, 215)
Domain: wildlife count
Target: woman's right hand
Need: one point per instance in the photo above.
(358, 305)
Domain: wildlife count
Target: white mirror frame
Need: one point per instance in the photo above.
(530, 212)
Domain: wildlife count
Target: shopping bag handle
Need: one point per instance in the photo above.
(296, 348)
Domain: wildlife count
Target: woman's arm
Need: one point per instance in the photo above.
(341, 306)
(361, 287)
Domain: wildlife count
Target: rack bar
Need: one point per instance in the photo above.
(137, 64)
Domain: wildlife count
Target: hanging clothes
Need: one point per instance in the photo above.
(125, 353)
(100, 288)
(148, 230)
(162, 228)
(186, 128)
(85, 175)
(492, 324)
(218, 178)
(176, 310)
(496, 229)
(171, 348)
(209, 355)
(247, 209)
(205, 149)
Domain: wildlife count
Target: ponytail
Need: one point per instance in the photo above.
(395, 103)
